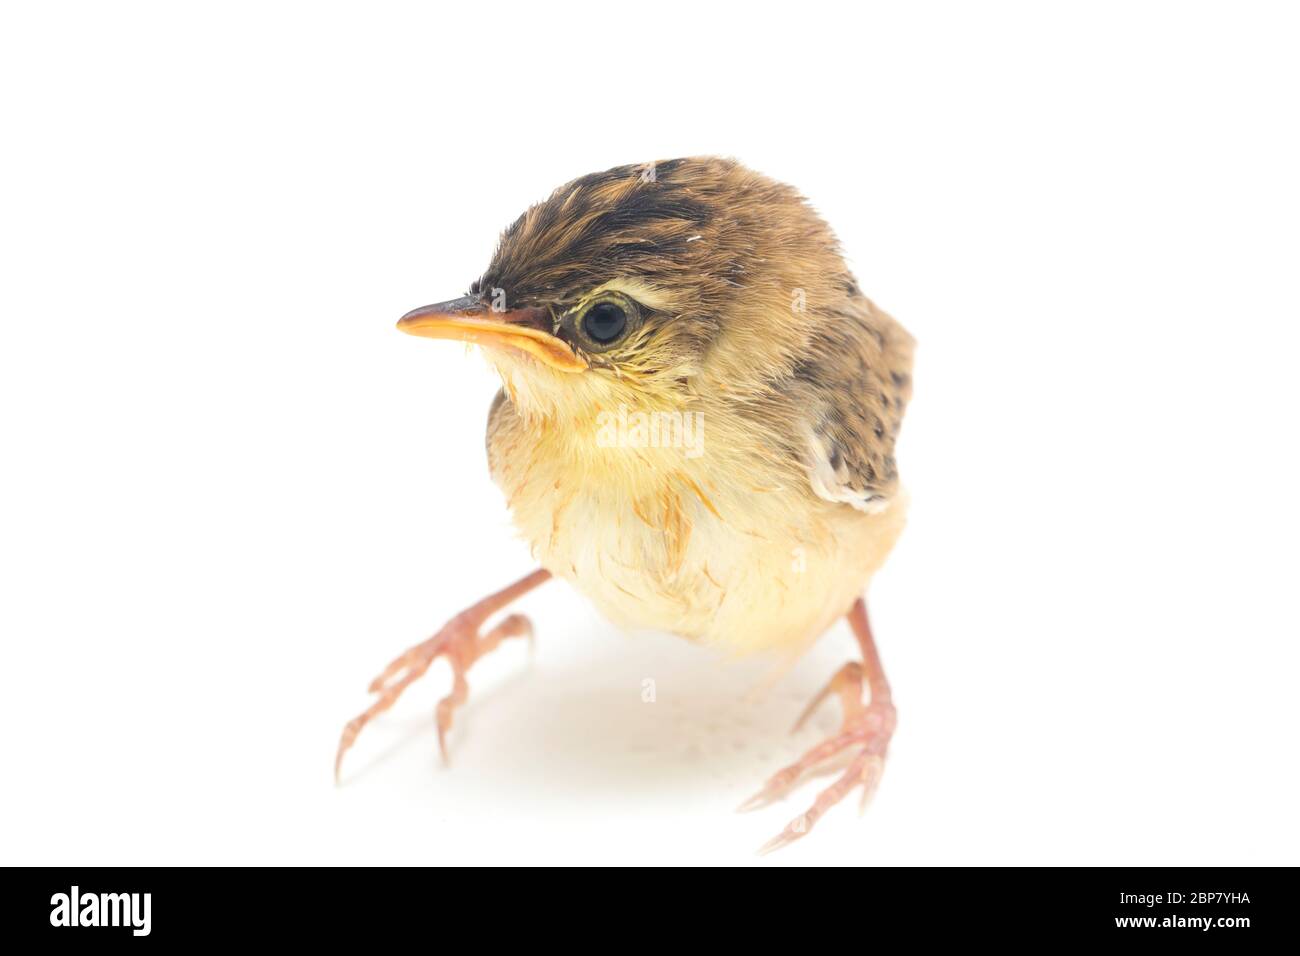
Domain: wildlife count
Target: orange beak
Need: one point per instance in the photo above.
(468, 319)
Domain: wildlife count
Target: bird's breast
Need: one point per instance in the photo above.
(723, 546)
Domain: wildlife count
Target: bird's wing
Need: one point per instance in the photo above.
(835, 476)
(860, 380)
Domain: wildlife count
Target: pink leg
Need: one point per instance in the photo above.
(867, 728)
(462, 644)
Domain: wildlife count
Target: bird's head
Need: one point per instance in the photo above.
(649, 286)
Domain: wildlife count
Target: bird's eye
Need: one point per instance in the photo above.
(604, 322)
(601, 324)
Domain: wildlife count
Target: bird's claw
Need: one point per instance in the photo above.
(867, 729)
(461, 643)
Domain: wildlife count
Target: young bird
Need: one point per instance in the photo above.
(696, 430)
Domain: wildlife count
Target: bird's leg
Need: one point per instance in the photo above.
(865, 731)
(461, 643)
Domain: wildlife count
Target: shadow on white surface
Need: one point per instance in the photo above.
(603, 726)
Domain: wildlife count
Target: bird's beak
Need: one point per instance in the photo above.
(469, 319)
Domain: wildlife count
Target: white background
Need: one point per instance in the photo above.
(231, 491)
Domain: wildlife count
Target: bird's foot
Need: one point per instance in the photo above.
(461, 641)
(865, 733)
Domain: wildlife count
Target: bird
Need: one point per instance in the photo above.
(696, 428)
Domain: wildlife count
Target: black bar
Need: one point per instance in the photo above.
(1222, 907)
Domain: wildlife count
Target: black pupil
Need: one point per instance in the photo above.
(605, 322)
